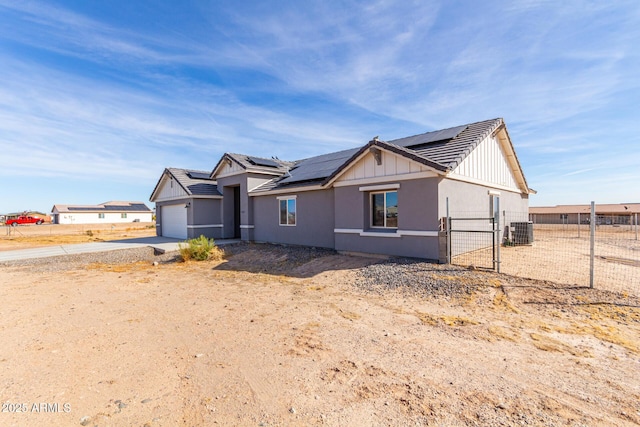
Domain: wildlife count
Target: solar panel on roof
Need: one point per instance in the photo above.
(263, 162)
(425, 138)
(318, 167)
(133, 207)
(203, 188)
(83, 208)
(198, 175)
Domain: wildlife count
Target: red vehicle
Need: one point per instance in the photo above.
(24, 220)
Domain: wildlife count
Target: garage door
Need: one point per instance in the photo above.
(174, 221)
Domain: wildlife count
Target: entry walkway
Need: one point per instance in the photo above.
(165, 244)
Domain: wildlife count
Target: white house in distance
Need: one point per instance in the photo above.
(105, 213)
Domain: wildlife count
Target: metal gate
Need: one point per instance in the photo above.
(474, 242)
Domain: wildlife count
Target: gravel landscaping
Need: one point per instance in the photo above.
(67, 262)
(419, 277)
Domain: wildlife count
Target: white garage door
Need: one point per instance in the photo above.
(174, 221)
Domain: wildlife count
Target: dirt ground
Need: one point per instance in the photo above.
(33, 236)
(563, 256)
(261, 340)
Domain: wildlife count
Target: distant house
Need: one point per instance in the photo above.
(606, 214)
(385, 197)
(105, 213)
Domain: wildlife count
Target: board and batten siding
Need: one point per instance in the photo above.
(488, 163)
(391, 165)
(230, 168)
(170, 190)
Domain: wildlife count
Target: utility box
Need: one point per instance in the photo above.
(522, 233)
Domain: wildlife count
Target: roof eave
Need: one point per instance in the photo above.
(155, 189)
(172, 176)
(525, 185)
(386, 146)
(225, 156)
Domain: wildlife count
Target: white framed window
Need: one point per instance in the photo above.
(101, 215)
(123, 215)
(494, 197)
(384, 209)
(287, 210)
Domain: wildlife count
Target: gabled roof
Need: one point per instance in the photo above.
(442, 150)
(402, 151)
(273, 166)
(193, 182)
(452, 151)
(104, 207)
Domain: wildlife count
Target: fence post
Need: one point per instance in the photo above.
(592, 242)
(636, 226)
(578, 225)
(448, 234)
(497, 235)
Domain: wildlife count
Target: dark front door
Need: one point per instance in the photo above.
(236, 212)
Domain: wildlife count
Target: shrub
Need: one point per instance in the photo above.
(200, 249)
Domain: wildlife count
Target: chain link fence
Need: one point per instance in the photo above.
(566, 249)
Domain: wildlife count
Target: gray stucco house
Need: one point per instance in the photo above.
(385, 197)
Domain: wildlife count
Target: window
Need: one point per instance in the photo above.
(494, 203)
(384, 209)
(101, 215)
(123, 215)
(287, 211)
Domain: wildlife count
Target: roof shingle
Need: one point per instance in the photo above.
(194, 183)
(442, 150)
(450, 152)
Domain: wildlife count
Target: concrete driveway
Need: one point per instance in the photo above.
(165, 244)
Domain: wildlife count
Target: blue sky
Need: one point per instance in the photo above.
(97, 98)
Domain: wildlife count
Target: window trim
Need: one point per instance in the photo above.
(378, 188)
(378, 227)
(295, 212)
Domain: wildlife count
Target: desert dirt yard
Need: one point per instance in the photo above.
(277, 336)
(33, 236)
(562, 254)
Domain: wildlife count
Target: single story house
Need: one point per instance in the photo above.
(385, 197)
(606, 214)
(105, 213)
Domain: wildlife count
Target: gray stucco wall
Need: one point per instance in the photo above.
(407, 246)
(467, 200)
(246, 182)
(417, 211)
(205, 212)
(226, 185)
(465, 197)
(314, 219)
(417, 205)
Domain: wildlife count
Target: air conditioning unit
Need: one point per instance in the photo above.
(522, 233)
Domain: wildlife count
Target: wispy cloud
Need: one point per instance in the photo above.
(92, 95)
